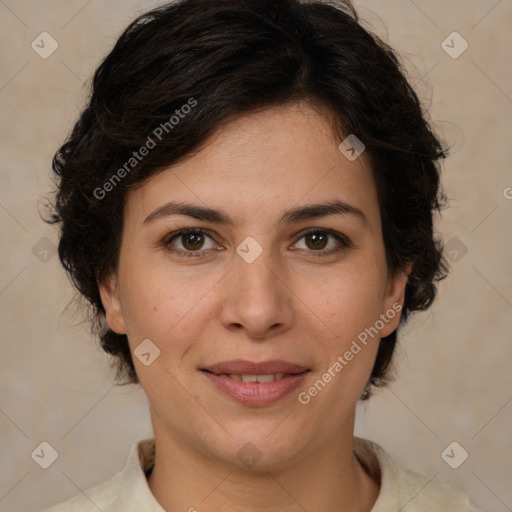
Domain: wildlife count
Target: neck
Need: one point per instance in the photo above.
(185, 478)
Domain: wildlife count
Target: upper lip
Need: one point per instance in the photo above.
(245, 367)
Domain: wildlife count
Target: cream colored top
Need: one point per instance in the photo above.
(401, 490)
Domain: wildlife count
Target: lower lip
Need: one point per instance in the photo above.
(256, 393)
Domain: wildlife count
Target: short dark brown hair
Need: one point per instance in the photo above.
(229, 58)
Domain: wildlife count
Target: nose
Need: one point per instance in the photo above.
(256, 298)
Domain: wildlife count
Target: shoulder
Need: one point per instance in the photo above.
(405, 490)
(420, 493)
(127, 491)
(100, 497)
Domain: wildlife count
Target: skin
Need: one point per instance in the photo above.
(284, 305)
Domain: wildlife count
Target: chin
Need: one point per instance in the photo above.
(264, 449)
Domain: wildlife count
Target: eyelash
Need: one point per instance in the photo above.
(200, 253)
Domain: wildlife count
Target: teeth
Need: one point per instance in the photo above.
(256, 378)
(265, 378)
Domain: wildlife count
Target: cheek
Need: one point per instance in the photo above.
(349, 304)
(161, 305)
(347, 301)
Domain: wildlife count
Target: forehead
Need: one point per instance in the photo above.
(262, 163)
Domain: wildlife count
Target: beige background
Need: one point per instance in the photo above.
(454, 381)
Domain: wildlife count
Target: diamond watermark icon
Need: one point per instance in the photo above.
(455, 249)
(249, 249)
(44, 250)
(44, 45)
(454, 45)
(454, 455)
(45, 455)
(249, 455)
(146, 352)
(352, 147)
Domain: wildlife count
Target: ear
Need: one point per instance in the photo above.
(109, 292)
(394, 300)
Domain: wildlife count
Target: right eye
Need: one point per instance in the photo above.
(191, 240)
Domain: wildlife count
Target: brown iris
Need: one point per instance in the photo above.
(319, 240)
(196, 241)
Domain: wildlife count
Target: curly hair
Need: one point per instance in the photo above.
(232, 57)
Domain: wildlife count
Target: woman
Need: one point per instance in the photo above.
(247, 203)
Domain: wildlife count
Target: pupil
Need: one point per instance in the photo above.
(193, 245)
(316, 238)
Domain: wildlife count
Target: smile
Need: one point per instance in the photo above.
(255, 384)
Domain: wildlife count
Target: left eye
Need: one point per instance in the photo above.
(318, 240)
(192, 242)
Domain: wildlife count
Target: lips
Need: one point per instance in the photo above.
(255, 384)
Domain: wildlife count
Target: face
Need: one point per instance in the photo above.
(261, 286)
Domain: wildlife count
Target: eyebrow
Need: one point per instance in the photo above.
(294, 215)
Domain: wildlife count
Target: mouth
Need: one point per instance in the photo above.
(268, 377)
(256, 384)
(248, 368)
